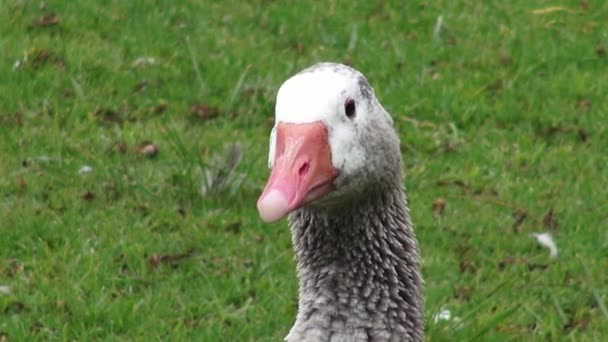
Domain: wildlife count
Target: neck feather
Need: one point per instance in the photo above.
(359, 271)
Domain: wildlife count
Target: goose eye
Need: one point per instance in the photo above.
(349, 108)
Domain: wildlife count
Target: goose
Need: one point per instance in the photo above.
(336, 172)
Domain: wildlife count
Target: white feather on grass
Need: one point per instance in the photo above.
(5, 289)
(546, 240)
(85, 169)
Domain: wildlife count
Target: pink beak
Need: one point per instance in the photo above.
(302, 170)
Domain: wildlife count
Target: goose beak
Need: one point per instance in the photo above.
(302, 171)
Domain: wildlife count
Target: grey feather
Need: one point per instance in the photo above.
(359, 273)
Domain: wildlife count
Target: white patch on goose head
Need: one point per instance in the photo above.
(319, 93)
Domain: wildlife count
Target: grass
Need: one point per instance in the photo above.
(501, 111)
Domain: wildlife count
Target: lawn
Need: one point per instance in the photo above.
(133, 146)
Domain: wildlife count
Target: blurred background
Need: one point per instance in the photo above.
(133, 146)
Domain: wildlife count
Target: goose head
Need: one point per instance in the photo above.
(332, 142)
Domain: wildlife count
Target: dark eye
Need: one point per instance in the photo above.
(349, 108)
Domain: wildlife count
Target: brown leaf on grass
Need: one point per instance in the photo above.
(160, 108)
(106, 115)
(204, 112)
(122, 147)
(509, 260)
(519, 216)
(462, 248)
(224, 270)
(583, 135)
(68, 93)
(534, 266)
(14, 267)
(438, 206)
(36, 58)
(47, 19)
(463, 293)
(505, 60)
(41, 57)
(141, 85)
(141, 209)
(233, 227)
(172, 260)
(484, 191)
(147, 148)
(495, 86)
(15, 118)
(467, 188)
(14, 307)
(61, 305)
(456, 182)
(191, 322)
(299, 48)
(600, 51)
(411, 36)
(584, 5)
(584, 104)
(22, 184)
(449, 146)
(88, 196)
(549, 221)
(466, 266)
(554, 130)
(36, 327)
(580, 323)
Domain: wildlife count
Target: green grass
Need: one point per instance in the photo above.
(502, 113)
